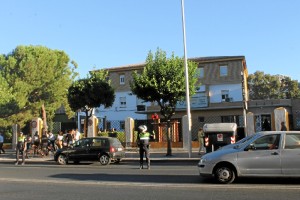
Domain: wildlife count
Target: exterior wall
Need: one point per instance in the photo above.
(210, 91)
(212, 71)
(296, 113)
(119, 112)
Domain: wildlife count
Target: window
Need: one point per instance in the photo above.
(228, 119)
(267, 142)
(200, 72)
(122, 79)
(122, 102)
(292, 141)
(122, 125)
(224, 94)
(223, 70)
(201, 119)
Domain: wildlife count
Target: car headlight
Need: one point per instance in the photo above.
(202, 160)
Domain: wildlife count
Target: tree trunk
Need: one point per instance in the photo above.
(44, 118)
(169, 139)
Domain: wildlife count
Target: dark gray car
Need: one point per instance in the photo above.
(265, 154)
(102, 149)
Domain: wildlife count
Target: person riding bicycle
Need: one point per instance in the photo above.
(36, 142)
(44, 144)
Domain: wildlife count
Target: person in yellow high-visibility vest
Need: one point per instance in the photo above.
(21, 148)
(143, 139)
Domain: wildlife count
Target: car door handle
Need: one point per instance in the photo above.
(274, 153)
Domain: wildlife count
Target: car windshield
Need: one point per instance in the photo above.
(243, 141)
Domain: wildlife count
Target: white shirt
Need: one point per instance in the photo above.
(77, 135)
(1, 139)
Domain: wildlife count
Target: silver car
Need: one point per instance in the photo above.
(264, 154)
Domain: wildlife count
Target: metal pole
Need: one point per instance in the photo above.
(244, 103)
(186, 82)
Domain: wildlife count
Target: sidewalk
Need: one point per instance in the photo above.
(178, 154)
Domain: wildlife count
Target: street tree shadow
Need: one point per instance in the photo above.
(135, 178)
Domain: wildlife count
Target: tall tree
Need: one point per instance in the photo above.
(5, 91)
(36, 76)
(163, 81)
(91, 92)
(266, 86)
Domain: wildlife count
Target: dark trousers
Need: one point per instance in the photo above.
(1, 147)
(144, 149)
(18, 152)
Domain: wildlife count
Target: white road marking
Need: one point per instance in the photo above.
(154, 185)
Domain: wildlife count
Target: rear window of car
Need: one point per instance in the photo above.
(99, 142)
(292, 141)
(116, 142)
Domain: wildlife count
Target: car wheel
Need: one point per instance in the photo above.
(62, 159)
(224, 174)
(104, 159)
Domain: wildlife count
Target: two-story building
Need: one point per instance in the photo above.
(219, 98)
(222, 97)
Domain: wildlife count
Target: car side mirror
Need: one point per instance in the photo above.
(250, 147)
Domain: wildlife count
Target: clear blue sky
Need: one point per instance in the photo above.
(108, 33)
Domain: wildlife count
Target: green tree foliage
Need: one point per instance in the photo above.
(163, 81)
(5, 91)
(36, 76)
(91, 92)
(266, 86)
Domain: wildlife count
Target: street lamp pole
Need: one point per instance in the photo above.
(245, 107)
(186, 83)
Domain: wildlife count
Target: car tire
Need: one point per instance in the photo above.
(104, 159)
(224, 174)
(62, 159)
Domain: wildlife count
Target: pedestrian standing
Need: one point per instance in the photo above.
(1, 143)
(201, 140)
(77, 135)
(283, 127)
(143, 139)
(59, 139)
(69, 138)
(21, 148)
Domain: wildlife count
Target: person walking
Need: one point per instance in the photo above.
(143, 139)
(21, 148)
(1, 143)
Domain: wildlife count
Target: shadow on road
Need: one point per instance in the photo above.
(140, 178)
(147, 177)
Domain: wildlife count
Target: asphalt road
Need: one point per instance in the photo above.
(165, 180)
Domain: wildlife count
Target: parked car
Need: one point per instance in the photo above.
(102, 149)
(265, 154)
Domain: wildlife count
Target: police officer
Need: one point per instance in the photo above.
(21, 148)
(143, 138)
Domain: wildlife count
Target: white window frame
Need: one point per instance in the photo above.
(122, 102)
(122, 79)
(200, 72)
(223, 70)
(224, 95)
